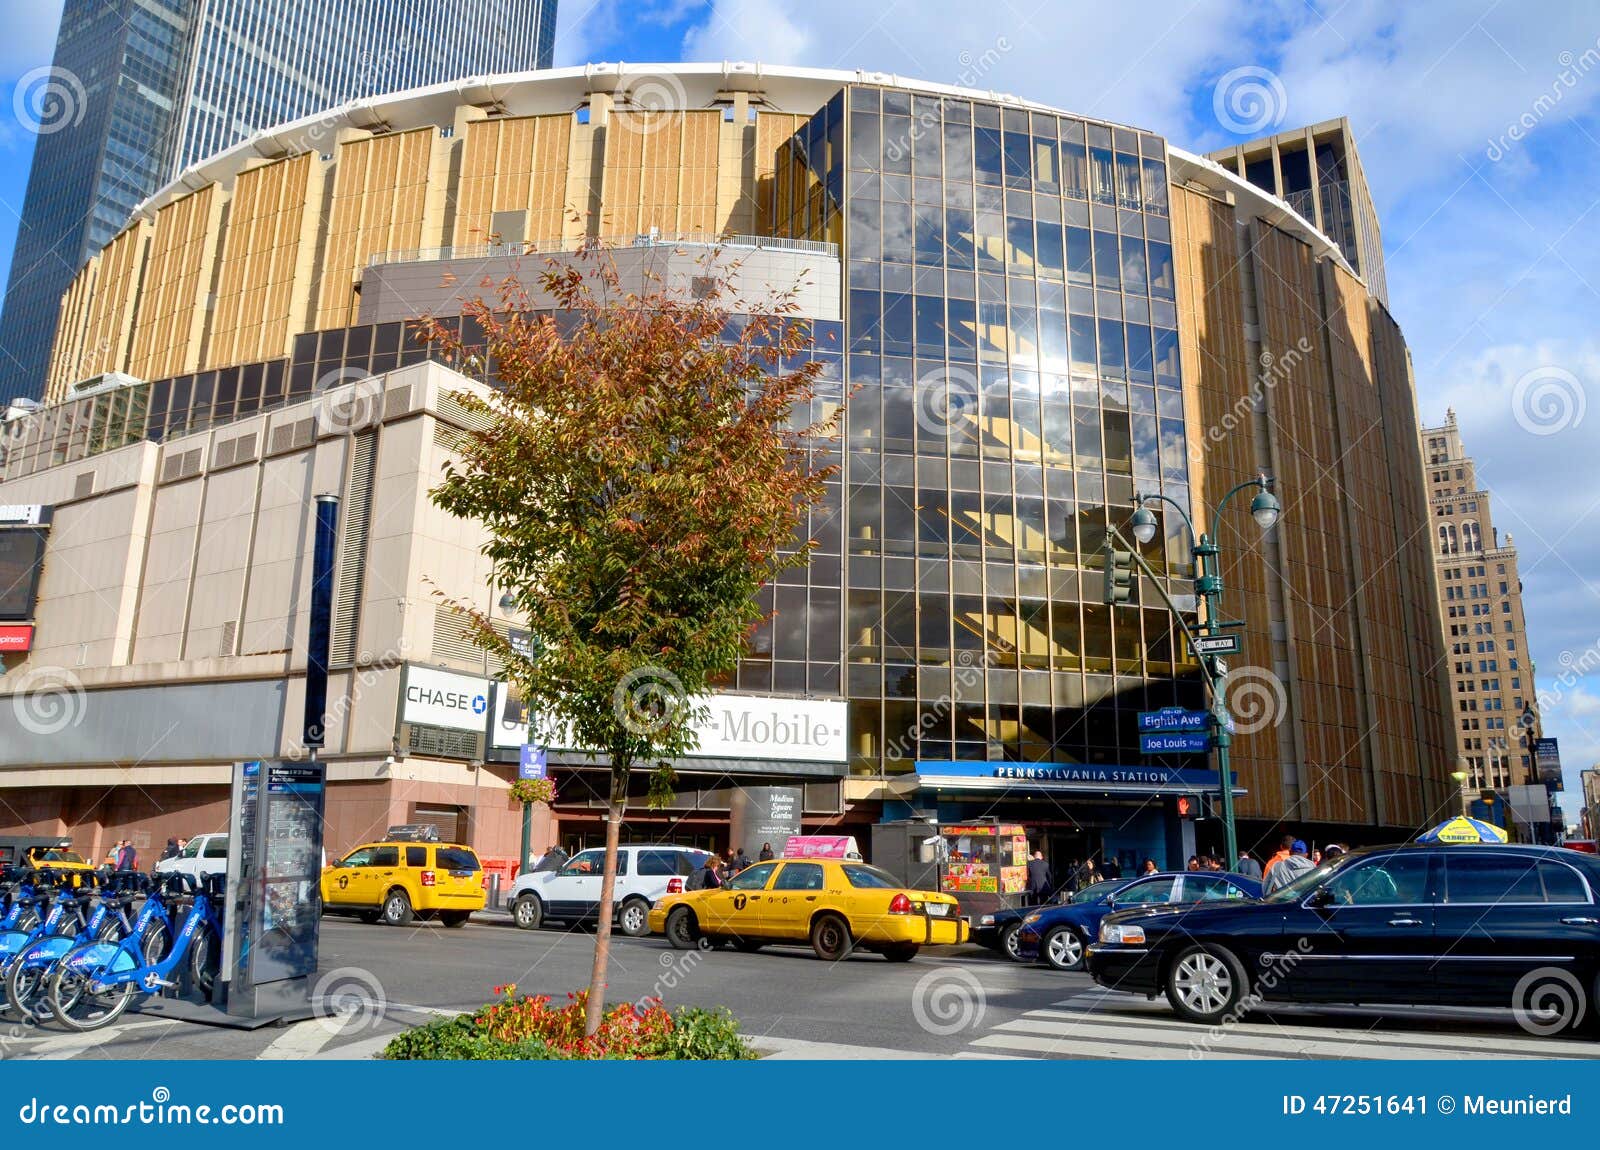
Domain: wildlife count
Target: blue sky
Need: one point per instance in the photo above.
(1492, 236)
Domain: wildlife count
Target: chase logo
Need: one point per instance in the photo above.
(480, 704)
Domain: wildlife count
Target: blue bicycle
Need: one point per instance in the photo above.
(91, 985)
(65, 916)
(19, 890)
(26, 979)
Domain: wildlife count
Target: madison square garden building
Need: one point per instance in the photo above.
(1028, 316)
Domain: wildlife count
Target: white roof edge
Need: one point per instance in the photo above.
(1257, 202)
(786, 88)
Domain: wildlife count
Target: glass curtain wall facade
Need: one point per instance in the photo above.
(98, 155)
(1012, 379)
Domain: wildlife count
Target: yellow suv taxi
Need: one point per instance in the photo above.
(48, 854)
(394, 882)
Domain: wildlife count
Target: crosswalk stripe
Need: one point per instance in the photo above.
(1060, 1048)
(1492, 1044)
(1198, 1042)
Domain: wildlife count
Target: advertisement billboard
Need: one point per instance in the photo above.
(1547, 759)
(449, 699)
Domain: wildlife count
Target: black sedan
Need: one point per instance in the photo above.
(1431, 924)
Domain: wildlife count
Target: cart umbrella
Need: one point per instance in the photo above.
(1462, 829)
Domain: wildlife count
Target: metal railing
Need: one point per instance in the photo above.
(651, 239)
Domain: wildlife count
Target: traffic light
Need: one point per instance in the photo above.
(1119, 574)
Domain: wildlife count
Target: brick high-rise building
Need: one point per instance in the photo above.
(1485, 630)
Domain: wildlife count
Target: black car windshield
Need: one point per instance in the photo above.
(1094, 892)
(1300, 887)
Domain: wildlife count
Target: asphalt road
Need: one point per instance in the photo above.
(948, 1002)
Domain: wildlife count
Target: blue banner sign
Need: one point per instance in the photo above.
(533, 764)
(1173, 719)
(1174, 744)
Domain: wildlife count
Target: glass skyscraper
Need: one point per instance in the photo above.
(152, 87)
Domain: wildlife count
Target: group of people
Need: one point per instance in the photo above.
(122, 856)
(1045, 886)
(1294, 859)
(716, 870)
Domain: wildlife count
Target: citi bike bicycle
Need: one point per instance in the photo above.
(92, 984)
(110, 920)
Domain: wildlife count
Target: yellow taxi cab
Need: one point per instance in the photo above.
(397, 880)
(54, 855)
(838, 906)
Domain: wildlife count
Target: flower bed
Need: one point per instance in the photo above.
(530, 1028)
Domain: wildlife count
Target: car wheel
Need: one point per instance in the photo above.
(830, 937)
(528, 912)
(1063, 949)
(682, 931)
(634, 917)
(1010, 942)
(1206, 984)
(900, 952)
(397, 908)
(454, 917)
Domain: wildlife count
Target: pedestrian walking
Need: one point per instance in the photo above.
(741, 861)
(1194, 863)
(1247, 866)
(1040, 882)
(1087, 874)
(766, 852)
(111, 855)
(711, 874)
(1149, 867)
(1288, 868)
(127, 857)
(170, 851)
(1112, 869)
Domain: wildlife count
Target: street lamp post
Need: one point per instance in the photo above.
(1265, 509)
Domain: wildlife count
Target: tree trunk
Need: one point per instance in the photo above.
(608, 885)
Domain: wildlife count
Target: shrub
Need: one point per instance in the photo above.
(528, 1028)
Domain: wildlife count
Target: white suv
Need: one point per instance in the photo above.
(200, 856)
(571, 894)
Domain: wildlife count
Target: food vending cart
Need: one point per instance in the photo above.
(984, 858)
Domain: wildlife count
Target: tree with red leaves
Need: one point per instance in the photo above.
(646, 467)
